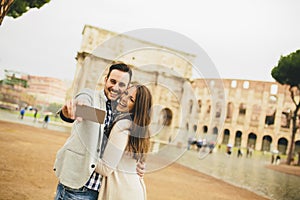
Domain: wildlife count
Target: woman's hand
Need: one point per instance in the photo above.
(140, 168)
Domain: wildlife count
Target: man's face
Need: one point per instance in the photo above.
(116, 84)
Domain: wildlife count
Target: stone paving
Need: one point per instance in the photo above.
(248, 173)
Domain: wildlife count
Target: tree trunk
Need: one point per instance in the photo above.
(4, 7)
(294, 131)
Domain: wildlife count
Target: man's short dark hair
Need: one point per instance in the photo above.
(122, 67)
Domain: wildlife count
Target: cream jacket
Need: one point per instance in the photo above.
(77, 159)
(118, 168)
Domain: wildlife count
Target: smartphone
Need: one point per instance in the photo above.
(90, 113)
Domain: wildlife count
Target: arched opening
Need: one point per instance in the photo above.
(205, 129)
(242, 109)
(282, 145)
(242, 114)
(191, 106)
(270, 116)
(238, 139)
(266, 143)
(297, 146)
(251, 140)
(165, 120)
(215, 131)
(195, 128)
(166, 116)
(199, 105)
(246, 84)
(229, 111)
(226, 136)
(208, 107)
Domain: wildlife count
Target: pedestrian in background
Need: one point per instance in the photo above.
(35, 114)
(46, 121)
(22, 113)
(239, 154)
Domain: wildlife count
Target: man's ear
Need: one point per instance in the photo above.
(105, 79)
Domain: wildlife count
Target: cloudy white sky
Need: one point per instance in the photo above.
(243, 38)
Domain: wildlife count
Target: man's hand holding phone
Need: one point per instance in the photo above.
(68, 110)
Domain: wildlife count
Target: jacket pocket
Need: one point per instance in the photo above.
(73, 167)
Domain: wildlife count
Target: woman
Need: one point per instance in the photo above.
(128, 143)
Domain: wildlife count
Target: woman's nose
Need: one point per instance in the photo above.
(124, 97)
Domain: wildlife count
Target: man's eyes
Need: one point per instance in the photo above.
(122, 85)
(112, 81)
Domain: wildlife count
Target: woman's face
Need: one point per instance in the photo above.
(127, 100)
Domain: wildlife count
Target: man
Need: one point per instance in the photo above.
(76, 160)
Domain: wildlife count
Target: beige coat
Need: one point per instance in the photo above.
(120, 181)
(76, 160)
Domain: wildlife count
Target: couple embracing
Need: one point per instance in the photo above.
(106, 161)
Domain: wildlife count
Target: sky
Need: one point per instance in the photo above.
(243, 38)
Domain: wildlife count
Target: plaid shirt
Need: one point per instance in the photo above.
(94, 182)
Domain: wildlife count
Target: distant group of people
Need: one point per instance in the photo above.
(46, 117)
(275, 160)
(194, 142)
(23, 111)
(250, 150)
(200, 144)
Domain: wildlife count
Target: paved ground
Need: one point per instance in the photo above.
(27, 155)
(255, 173)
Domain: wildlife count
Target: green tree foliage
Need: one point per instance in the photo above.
(21, 6)
(287, 72)
(13, 81)
(15, 8)
(12, 88)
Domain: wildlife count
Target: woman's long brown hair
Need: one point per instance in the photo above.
(139, 138)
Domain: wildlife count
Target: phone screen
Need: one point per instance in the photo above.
(90, 113)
